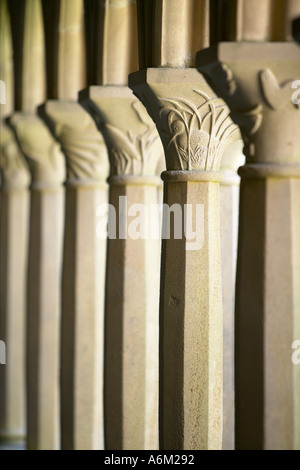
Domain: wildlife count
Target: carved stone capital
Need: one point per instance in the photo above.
(43, 154)
(81, 142)
(256, 82)
(132, 140)
(193, 123)
(13, 167)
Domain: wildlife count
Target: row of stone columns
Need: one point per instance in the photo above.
(94, 337)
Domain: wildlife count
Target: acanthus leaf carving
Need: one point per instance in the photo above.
(81, 142)
(133, 153)
(43, 154)
(85, 152)
(13, 167)
(196, 134)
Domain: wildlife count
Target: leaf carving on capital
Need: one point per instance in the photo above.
(42, 151)
(196, 134)
(131, 152)
(85, 151)
(13, 166)
(276, 95)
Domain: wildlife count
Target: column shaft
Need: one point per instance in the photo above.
(46, 165)
(43, 327)
(266, 379)
(131, 339)
(191, 326)
(13, 251)
(229, 212)
(82, 326)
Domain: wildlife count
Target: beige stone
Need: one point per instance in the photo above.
(112, 41)
(231, 160)
(65, 48)
(255, 79)
(46, 163)
(14, 177)
(6, 59)
(260, 97)
(254, 20)
(13, 248)
(172, 31)
(267, 382)
(29, 54)
(292, 11)
(131, 378)
(132, 287)
(195, 127)
(82, 326)
(83, 276)
(84, 252)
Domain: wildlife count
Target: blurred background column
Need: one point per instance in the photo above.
(84, 252)
(232, 159)
(132, 282)
(255, 79)
(46, 163)
(14, 216)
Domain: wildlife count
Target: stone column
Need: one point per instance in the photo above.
(229, 210)
(83, 276)
(171, 32)
(292, 11)
(255, 20)
(13, 248)
(13, 252)
(84, 252)
(28, 49)
(259, 93)
(6, 61)
(46, 163)
(47, 168)
(65, 48)
(194, 126)
(268, 20)
(131, 340)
